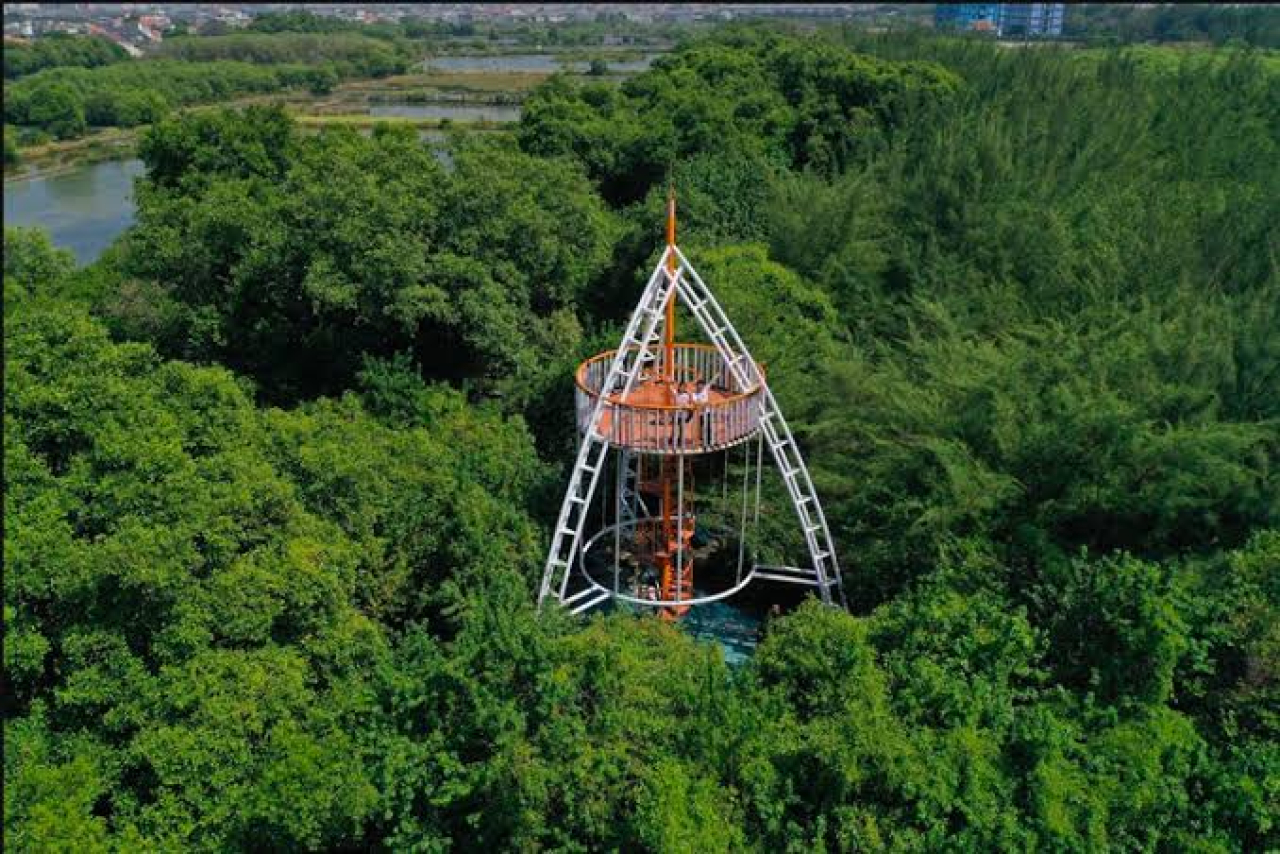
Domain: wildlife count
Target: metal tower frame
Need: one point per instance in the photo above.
(674, 278)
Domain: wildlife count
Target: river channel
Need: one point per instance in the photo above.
(532, 62)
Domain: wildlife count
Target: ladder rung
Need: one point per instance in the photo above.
(586, 591)
(590, 603)
(793, 579)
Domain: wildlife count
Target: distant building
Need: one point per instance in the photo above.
(233, 18)
(133, 51)
(1027, 20)
(965, 16)
(155, 23)
(1030, 20)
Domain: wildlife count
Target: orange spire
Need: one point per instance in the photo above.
(671, 216)
(669, 328)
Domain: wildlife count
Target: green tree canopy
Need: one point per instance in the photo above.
(794, 102)
(295, 256)
(1020, 306)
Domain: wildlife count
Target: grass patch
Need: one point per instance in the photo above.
(60, 155)
(452, 81)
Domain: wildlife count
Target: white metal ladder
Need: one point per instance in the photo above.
(715, 323)
(635, 351)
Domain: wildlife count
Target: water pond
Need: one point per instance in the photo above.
(83, 208)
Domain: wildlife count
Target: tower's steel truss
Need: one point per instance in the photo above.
(565, 579)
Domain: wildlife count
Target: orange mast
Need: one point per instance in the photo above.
(669, 328)
(676, 579)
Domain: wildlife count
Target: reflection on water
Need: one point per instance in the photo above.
(83, 209)
(463, 112)
(531, 62)
(737, 629)
(737, 624)
(436, 140)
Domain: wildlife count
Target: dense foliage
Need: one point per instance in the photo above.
(301, 21)
(299, 255)
(59, 49)
(349, 54)
(1023, 308)
(480, 33)
(11, 156)
(792, 103)
(66, 101)
(1176, 22)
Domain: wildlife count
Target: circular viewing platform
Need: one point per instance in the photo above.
(651, 417)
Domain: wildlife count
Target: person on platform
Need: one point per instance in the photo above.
(684, 400)
(702, 400)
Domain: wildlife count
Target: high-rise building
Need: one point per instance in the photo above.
(1026, 20)
(1030, 20)
(965, 16)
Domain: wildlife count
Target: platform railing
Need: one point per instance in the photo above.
(672, 429)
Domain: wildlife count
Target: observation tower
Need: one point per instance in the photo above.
(657, 417)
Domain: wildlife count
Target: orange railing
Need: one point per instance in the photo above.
(732, 415)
